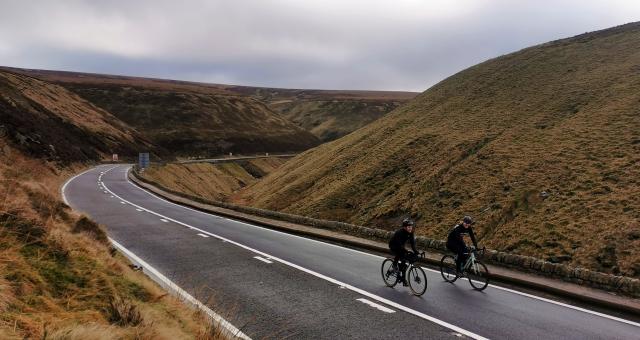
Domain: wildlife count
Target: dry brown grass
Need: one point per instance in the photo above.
(331, 114)
(49, 122)
(561, 118)
(58, 277)
(216, 182)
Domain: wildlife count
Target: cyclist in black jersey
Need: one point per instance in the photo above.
(397, 243)
(455, 241)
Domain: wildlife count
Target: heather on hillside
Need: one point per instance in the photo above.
(542, 146)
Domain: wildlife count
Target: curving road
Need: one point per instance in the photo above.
(276, 285)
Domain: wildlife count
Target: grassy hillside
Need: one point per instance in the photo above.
(49, 122)
(325, 113)
(59, 279)
(188, 119)
(329, 114)
(212, 181)
(216, 119)
(541, 146)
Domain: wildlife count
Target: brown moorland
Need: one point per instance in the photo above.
(329, 114)
(59, 277)
(151, 105)
(215, 182)
(187, 119)
(541, 146)
(49, 122)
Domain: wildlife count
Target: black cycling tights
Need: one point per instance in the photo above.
(462, 251)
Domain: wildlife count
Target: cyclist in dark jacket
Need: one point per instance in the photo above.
(455, 241)
(397, 243)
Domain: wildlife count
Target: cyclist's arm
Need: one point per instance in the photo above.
(413, 243)
(473, 237)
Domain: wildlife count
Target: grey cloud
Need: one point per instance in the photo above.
(404, 45)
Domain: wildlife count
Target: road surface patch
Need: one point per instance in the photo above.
(324, 277)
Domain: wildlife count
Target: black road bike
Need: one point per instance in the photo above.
(473, 269)
(414, 274)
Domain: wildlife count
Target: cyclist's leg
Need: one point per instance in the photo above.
(455, 248)
(463, 255)
(400, 262)
(460, 250)
(397, 253)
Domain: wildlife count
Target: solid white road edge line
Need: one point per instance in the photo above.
(376, 306)
(558, 303)
(168, 284)
(332, 280)
(262, 259)
(164, 281)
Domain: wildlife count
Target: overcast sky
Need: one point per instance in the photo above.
(325, 44)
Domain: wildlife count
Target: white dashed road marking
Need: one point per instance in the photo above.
(164, 220)
(203, 235)
(122, 202)
(139, 210)
(262, 259)
(376, 306)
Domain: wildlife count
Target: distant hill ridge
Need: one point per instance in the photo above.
(542, 146)
(327, 114)
(186, 119)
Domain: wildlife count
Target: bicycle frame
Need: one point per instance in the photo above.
(471, 261)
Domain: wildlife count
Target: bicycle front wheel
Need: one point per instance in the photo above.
(478, 275)
(389, 275)
(448, 268)
(417, 281)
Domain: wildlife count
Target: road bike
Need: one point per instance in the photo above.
(414, 274)
(473, 269)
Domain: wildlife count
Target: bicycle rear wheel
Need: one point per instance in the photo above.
(389, 276)
(448, 268)
(478, 275)
(417, 280)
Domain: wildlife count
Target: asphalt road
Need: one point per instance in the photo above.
(275, 285)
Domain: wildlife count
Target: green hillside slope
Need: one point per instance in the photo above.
(541, 146)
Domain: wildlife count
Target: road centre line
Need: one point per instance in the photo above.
(376, 306)
(332, 280)
(262, 259)
(64, 197)
(558, 303)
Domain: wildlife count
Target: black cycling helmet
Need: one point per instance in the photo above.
(468, 220)
(408, 222)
